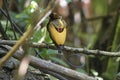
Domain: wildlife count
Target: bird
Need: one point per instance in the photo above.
(57, 30)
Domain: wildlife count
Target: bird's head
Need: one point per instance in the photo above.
(54, 16)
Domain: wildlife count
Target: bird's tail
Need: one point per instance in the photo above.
(60, 48)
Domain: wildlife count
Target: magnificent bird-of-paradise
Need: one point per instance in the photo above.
(57, 30)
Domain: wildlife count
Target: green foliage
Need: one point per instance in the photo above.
(47, 53)
(100, 7)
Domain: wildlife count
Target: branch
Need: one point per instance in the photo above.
(49, 66)
(102, 16)
(66, 48)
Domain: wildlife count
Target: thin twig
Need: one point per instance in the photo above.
(12, 22)
(8, 16)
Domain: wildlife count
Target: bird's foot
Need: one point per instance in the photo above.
(47, 45)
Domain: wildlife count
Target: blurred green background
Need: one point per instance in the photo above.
(92, 24)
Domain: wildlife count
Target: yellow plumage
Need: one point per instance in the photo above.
(59, 38)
